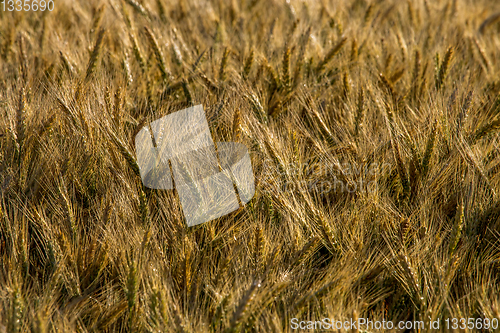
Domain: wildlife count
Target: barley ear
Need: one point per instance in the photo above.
(16, 312)
(416, 74)
(336, 49)
(409, 274)
(403, 230)
(22, 58)
(443, 68)
(401, 168)
(429, 148)
(158, 54)
(368, 13)
(107, 100)
(275, 81)
(131, 288)
(94, 56)
(187, 93)
(237, 125)
(358, 121)
(21, 117)
(118, 106)
(484, 131)
(241, 312)
(126, 154)
(484, 59)
(389, 88)
(464, 111)
(259, 250)
(286, 68)
(143, 208)
(223, 65)
(66, 63)
(354, 51)
(248, 65)
(296, 148)
(126, 69)
(98, 15)
(457, 229)
(137, 52)
(257, 107)
(346, 84)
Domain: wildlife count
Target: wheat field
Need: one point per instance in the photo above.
(372, 128)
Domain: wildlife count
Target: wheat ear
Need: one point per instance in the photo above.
(336, 49)
(94, 56)
(443, 68)
(158, 54)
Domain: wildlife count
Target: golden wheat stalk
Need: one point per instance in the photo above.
(16, 312)
(300, 304)
(187, 93)
(137, 52)
(403, 230)
(429, 148)
(66, 63)
(23, 60)
(143, 208)
(21, 117)
(223, 64)
(259, 253)
(112, 315)
(94, 56)
(242, 310)
(368, 13)
(237, 123)
(296, 148)
(126, 68)
(397, 75)
(400, 166)
(416, 74)
(388, 87)
(126, 154)
(248, 64)
(68, 211)
(257, 107)
(464, 112)
(98, 15)
(484, 131)
(131, 289)
(410, 276)
(457, 229)
(329, 56)
(358, 120)
(158, 54)
(443, 68)
(484, 58)
(117, 110)
(286, 68)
